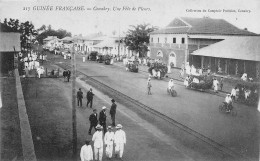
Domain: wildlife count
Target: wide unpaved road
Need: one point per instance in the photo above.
(195, 109)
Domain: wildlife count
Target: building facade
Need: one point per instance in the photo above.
(174, 43)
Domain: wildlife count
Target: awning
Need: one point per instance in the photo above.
(243, 48)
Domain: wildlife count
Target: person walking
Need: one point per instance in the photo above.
(221, 83)
(102, 118)
(90, 97)
(79, 97)
(120, 141)
(65, 74)
(98, 143)
(149, 85)
(68, 75)
(215, 85)
(113, 112)
(86, 152)
(109, 142)
(93, 119)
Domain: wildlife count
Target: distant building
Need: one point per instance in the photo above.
(174, 43)
(52, 42)
(232, 56)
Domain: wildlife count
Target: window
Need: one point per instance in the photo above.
(183, 40)
(151, 40)
(174, 40)
(165, 40)
(158, 40)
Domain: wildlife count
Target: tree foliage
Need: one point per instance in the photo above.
(44, 32)
(26, 29)
(137, 38)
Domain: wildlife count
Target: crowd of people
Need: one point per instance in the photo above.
(32, 62)
(103, 136)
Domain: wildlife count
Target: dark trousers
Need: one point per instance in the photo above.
(104, 125)
(92, 126)
(113, 117)
(68, 77)
(80, 102)
(90, 101)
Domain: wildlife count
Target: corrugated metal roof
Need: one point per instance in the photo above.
(243, 48)
(202, 26)
(109, 42)
(9, 41)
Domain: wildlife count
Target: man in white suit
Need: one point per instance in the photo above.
(109, 142)
(98, 143)
(120, 141)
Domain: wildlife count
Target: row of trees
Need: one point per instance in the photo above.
(48, 31)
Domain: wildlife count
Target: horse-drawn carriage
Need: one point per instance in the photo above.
(157, 70)
(93, 55)
(107, 59)
(199, 82)
(132, 66)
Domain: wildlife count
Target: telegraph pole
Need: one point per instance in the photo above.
(74, 117)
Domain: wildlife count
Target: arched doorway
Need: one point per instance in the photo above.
(172, 61)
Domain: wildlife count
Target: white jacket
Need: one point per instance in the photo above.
(120, 137)
(86, 153)
(98, 139)
(109, 138)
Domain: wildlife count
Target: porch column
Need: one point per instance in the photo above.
(226, 67)
(244, 66)
(202, 61)
(236, 67)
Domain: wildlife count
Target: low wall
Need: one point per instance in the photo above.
(26, 134)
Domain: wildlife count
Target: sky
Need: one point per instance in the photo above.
(123, 13)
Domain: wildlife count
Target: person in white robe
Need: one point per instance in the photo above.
(244, 77)
(120, 141)
(86, 152)
(109, 142)
(215, 84)
(98, 143)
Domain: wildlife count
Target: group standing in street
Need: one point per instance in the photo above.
(66, 75)
(112, 141)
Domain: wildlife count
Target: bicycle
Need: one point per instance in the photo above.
(227, 110)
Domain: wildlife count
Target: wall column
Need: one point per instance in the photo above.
(202, 61)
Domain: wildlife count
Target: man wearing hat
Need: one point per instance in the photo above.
(93, 118)
(228, 101)
(102, 118)
(79, 97)
(120, 141)
(109, 141)
(98, 143)
(113, 112)
(90, 95)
